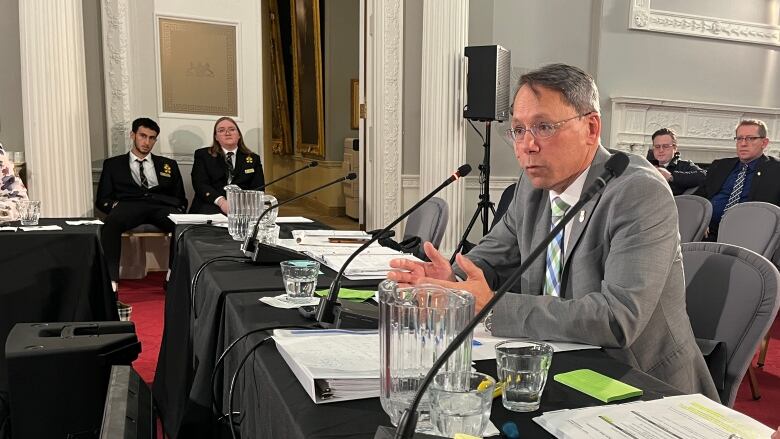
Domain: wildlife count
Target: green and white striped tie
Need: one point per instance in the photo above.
(552, 279)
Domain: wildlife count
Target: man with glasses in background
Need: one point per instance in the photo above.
(613, 277)
(681, 174)
(750, 176)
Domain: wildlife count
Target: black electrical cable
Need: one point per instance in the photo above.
(227, 350)
(194, 282)
(233, 384)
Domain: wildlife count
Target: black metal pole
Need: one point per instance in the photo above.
(486, 181)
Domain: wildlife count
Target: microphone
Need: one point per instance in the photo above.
(614, 167)
(326, 314)
(310, 165)
(273, 253)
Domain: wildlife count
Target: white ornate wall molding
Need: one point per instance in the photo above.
(442, 128)
(643, 17)
(384, 101)
(54, 105)
(705, 131)
(116, 71)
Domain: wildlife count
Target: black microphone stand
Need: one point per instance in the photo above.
(251, 247)
(310, 165)
(326, 314)
(408, 422)
(484, 206)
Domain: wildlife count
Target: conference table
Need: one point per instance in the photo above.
(52, 276)
(272, 403)
(193, 334)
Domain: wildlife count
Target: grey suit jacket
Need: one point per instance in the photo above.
(622, 285)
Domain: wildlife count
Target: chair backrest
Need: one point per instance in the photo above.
(428, 222)
(503, 203)
(732, 297)
(754, 225)
(694, 214)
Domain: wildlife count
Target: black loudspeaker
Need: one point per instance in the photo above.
(58, 375)
(487, 83)
(128, 412)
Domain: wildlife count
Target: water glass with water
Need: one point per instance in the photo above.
(522, 368)
(461, 402)
(300, 279)
(29, 212)
(416, 324)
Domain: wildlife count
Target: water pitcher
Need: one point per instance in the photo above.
(415, 325)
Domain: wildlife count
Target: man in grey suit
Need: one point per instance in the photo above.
(614, 277)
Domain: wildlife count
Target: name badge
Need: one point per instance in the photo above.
(165, 175)
(249, 171)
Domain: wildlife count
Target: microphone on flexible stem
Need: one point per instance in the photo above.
(613, 168)
(326, 314)
(273, 254)
(310, 165)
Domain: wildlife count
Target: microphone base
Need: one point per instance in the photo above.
(389, 433)
(357, 315)
(268, 254)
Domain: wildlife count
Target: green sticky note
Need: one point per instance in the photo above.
(349, 294)
(597, 385)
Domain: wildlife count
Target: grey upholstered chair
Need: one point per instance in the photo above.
(755, 226)
(693, 216)
(428, 222)
(732, 298)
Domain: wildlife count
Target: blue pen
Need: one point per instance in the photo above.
(476, 342)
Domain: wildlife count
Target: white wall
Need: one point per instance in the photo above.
(181, 135)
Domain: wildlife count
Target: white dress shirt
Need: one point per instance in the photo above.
(149, 171)
(570, 196)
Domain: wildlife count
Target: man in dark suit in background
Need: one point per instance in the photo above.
(681, 174)
(751, 176)
(226, 161)
(137, 188)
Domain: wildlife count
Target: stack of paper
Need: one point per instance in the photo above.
(332, 365)
(192, 218)
(485, 345)
(675, 417)
(324, 236)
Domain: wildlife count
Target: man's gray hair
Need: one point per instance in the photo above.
(577, 87)
(759, 123)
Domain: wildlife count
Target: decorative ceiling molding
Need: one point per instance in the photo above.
(643, 17)
(705, 131)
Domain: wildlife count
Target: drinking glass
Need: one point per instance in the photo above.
(29, 212)
(416, 324)
(461, 402)
(300, 279)
(268, 234)
(522, 368)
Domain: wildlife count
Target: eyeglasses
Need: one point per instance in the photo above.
(747, 138)
(664, 146)
(226, 130)
(541, 130)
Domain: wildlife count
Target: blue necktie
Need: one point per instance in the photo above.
(552, 278)
(736, 193)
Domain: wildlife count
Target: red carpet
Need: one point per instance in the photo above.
(148, 300)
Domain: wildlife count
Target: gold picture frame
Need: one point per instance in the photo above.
(354, 110)
(307, 78)
(198, 68)
(281, 138)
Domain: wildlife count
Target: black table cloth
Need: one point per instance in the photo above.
(192, 336)
(51, 276)
(273, 404)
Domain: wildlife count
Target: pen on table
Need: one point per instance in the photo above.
(476, 342)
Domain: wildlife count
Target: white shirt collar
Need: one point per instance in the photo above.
(134, 157)
(225, 151)
(572, 193)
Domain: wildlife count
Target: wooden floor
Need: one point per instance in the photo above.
(299, 208)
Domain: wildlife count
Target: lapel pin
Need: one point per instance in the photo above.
(582, 215)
